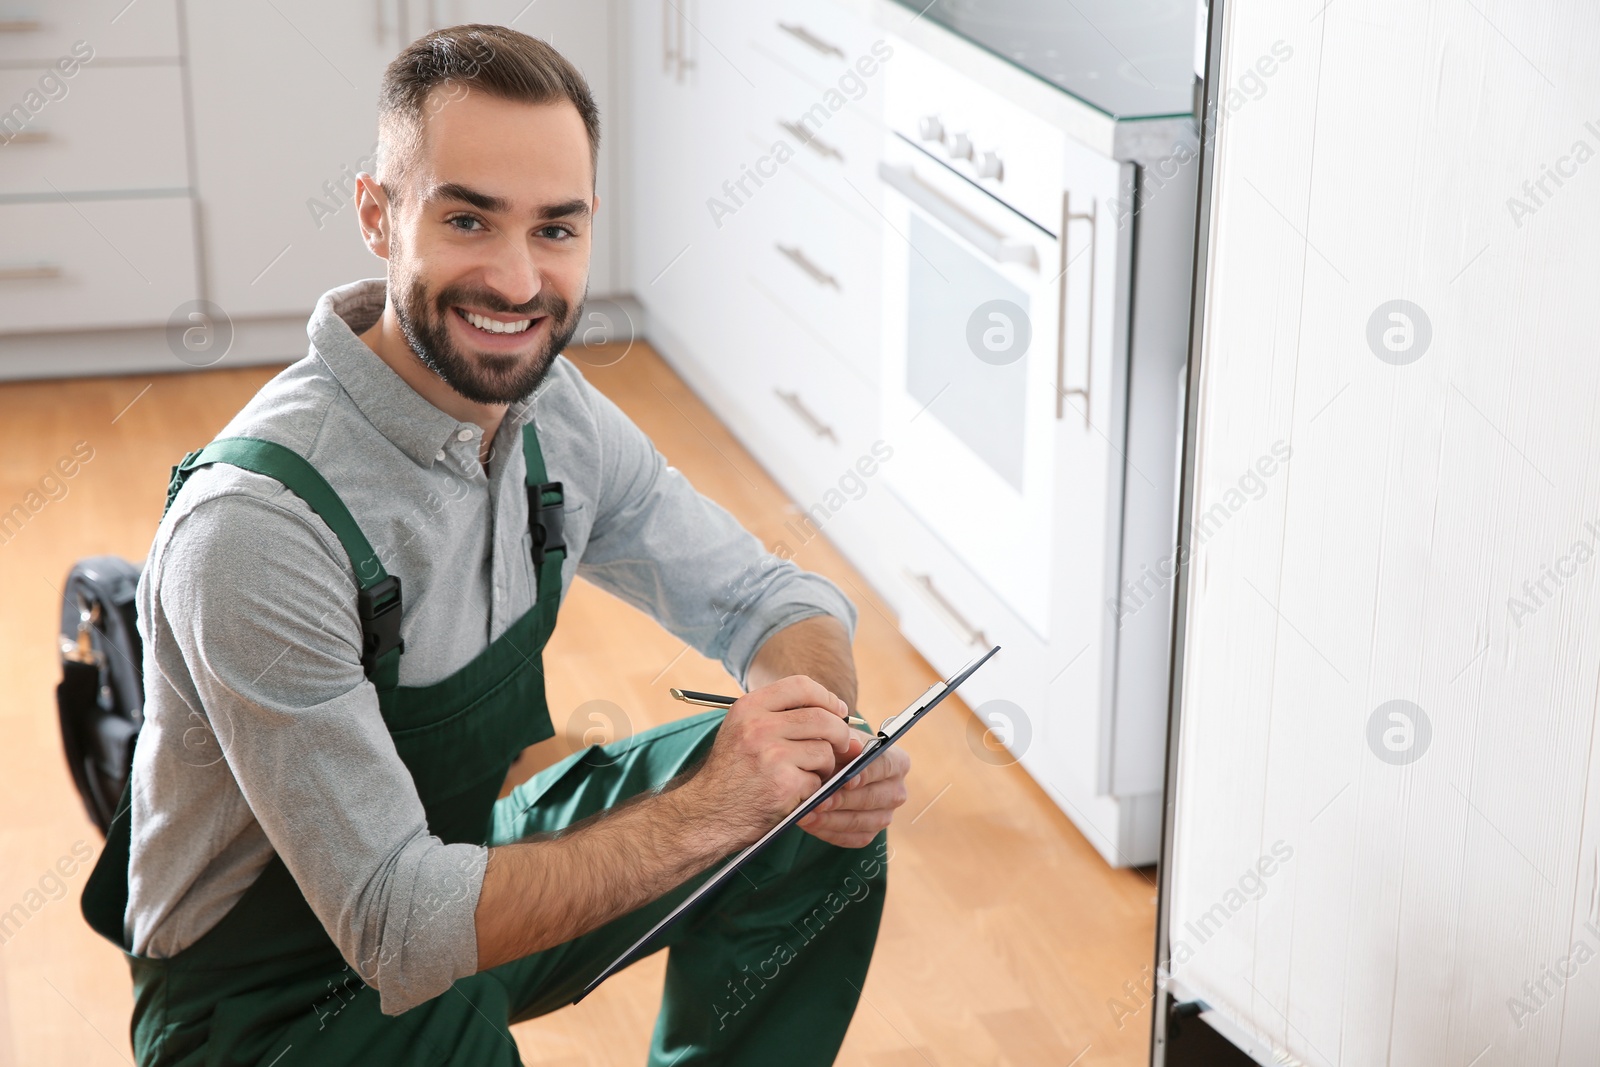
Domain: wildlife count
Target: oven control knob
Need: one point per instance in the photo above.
(989, 166)
(961, 147)
(930, 128)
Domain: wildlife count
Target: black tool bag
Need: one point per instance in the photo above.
(101, 695)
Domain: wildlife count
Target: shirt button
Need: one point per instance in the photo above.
(464, 435)
(440, 454)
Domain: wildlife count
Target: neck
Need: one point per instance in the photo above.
(386, 339)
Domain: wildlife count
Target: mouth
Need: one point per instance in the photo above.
(497, 331)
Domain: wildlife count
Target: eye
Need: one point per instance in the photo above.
(464, 223)
(555, 232)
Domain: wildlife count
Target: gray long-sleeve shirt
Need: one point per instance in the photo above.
(262, 734)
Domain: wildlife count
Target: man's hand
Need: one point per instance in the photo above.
(852, 817)
(819, 647)
(775, 747)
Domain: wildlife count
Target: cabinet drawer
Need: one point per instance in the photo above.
(117, 128)
(43, 31)
(818, 272)
(818, 42)
(95, 263)
(951, 616)
(840, 149)
(815, 420)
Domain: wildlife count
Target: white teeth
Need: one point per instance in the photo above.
(495, 326)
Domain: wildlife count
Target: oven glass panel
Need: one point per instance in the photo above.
(979, 398)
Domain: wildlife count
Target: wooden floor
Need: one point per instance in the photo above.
(1005, 940)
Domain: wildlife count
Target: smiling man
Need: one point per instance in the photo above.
(344, 611)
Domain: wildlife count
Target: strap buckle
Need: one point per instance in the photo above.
(379, 608)
(180, 474)
(546, 520)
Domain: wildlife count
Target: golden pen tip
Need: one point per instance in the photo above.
(677, 694)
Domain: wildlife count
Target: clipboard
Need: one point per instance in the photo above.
(891, 731)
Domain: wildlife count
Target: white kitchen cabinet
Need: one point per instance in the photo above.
(769, 305)
(97, 228)
(95, 263)
(813, 267)
(34, 30)
(276, 168)
(118, 128)
(673, 238)
(818, 74)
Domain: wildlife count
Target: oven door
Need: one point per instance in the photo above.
(972, 353)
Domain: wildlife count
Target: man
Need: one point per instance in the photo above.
(343, 613)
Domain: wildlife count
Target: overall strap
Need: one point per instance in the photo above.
(105, 893)
(378, 598)
(544, 523)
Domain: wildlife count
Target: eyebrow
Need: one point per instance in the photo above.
(499, 204)
(565, 210)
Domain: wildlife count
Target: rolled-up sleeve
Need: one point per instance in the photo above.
(660, 545)
(261, 608)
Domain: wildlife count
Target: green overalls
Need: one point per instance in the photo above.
(768, 972)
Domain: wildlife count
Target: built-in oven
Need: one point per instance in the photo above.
(971, 311)
(994, 323)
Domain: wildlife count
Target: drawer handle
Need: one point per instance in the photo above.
(811, 140)
(1068, 216)
(676, 58)
(810, 40)
(924, 582)
(30, 273)
(28, 137)
(798, 258)
(19, 25)
(669, 27)
(818, 427)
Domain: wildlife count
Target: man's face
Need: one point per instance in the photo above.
(489, 246)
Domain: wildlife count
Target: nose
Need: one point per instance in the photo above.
(512, 273)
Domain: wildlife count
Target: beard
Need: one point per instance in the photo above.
(482, 377)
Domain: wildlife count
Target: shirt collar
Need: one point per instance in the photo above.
(394, 409)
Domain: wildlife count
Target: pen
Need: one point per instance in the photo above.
(712, 700)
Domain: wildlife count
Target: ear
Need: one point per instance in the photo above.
(372, 213)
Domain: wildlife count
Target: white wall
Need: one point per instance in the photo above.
(1381, 560)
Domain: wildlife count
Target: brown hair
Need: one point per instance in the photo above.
(496, 60)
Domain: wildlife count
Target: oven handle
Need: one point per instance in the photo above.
(1068, 217)
(904, 180)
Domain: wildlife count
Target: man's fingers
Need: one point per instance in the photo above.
(895, 763)
(796, 691)
(814, 722)
(889, 794)
(840, 822)
(814, 756)
(848, 840)
(841, 838)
